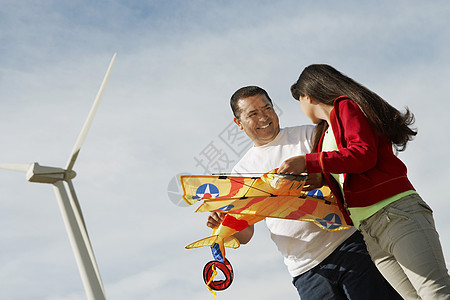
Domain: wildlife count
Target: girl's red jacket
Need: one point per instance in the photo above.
(371, 170)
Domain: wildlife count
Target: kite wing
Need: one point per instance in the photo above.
(271, 195)
(200, 187)
(197, 188)
(325, 214)
(229, 241)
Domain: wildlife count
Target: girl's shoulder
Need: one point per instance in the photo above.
(343, 105)
(344, 101)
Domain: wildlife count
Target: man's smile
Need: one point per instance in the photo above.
(265, 126)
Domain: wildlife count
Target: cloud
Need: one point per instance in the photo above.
(167, 99)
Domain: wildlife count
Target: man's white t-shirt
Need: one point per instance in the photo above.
(302, 244)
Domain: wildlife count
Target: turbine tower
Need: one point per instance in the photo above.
(68, 202)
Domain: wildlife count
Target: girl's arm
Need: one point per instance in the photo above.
(357, 143)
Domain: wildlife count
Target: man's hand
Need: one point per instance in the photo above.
(215, 219)
(243, 236)
(293, 165)
(314, 181)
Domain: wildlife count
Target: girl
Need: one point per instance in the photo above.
(355, 135)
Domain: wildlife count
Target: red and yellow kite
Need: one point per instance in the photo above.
(248, 200)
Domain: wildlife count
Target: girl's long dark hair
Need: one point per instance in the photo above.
(324, 84)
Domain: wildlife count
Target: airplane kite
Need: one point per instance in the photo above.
(248, 200)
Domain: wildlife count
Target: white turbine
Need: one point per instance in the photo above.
(69, 205)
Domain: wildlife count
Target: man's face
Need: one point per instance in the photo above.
(258, 119)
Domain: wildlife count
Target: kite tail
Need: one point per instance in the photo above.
(214, 273)
(215, 242)
(210, 271)
(230, 242)
(208, 241)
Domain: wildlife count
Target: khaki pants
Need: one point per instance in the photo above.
(404, 244)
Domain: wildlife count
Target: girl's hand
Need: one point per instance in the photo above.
(215, 219)
(293, 165)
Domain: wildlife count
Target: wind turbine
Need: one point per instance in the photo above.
(68, 202)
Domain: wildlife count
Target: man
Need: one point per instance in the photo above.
(323, 264)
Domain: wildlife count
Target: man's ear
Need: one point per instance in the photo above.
(236, 120)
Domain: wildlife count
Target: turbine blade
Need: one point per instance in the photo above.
(16, 167)
(90, 118)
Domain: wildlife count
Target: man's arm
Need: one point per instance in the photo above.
(243, 236)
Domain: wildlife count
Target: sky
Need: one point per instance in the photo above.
(165, 112)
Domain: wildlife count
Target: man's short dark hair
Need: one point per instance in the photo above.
(245, 92)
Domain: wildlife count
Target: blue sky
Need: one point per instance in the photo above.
(178, 62)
